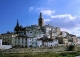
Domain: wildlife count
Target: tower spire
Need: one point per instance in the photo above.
(40, 15)
(17, 23)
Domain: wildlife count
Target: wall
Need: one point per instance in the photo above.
(21, 41)
(0, 41)
(30, 33)
(31, 42)
(5, 46)
(51, 43)
(39, 43)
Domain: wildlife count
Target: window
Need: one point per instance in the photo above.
(30, 32)
(22, 40)
(15, 41)
(30, 39)
(26, 38)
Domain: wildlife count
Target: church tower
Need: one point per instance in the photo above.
(16, 29)
(40, 20)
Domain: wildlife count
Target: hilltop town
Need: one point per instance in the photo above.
(37, 36)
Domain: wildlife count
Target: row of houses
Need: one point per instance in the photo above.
(35, 36)
(38, 36)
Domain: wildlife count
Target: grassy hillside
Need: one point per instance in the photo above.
(73, 54)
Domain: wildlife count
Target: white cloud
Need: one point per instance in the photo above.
(66, 22)
(68, 30)
(31, 8)
(75, 30)
(45, 11)
(48, 12)
(41, 8)
(45, 20)
(66, 16)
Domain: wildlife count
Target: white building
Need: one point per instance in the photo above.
(39, 43)
(0, 41)
(4, 46)
(78, 40)
(7, 38)
(51, 43)
(19, 41)
(31, 42)
(33, 31)
(64, 34)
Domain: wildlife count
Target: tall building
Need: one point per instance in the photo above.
(40, 20)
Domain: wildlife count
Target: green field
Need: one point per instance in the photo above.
(46, 54)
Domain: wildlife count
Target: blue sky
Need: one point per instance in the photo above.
(59, 13)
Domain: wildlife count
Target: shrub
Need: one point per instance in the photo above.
(71, 48)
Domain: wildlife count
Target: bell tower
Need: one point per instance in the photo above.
(40, 20)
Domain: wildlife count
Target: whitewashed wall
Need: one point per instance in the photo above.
(54, 34)
(38, 34)
(5, 46)
(32, 41)
(21, 42)
(55, 42)
(51, 43)
(30, 34)
(64, 34)
(78, 41)
(0, 41)
(48, 44)
(24, 42)
(13, 41)
(39, 43)
(16, 41)
(48, 30)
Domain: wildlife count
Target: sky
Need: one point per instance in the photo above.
(58, 13)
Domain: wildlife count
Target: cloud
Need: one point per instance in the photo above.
(66, 22)
(68, 16)
(31, 8)
(48, 12)
(46, 20)
(75, 30)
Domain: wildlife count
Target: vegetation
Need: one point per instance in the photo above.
(71, 48)
(46, 54)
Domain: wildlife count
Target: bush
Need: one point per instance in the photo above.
(71, 48)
